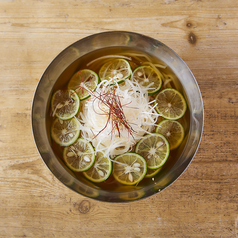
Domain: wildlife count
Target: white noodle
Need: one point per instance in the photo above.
(136, 108)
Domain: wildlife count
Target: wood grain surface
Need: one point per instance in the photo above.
(203, 202)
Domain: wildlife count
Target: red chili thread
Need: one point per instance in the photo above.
(115, 113)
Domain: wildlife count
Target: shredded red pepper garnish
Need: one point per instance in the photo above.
(115, 111)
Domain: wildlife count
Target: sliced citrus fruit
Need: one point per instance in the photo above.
(85, 78)
(170, 104)
(146, 75)
(79, 156)
(65, 132)
(100, 170)
(65, 104)
(129, 168)
(154, 148)
(173, 132)
(117, 70)
(152, 172)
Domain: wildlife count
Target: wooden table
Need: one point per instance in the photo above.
(203, 202)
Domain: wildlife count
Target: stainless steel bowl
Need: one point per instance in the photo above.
(51, 76)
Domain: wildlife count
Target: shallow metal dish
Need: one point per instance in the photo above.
(41, 101)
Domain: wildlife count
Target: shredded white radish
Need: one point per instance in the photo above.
(138, 111)
(138, 56)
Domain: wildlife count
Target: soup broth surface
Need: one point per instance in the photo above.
(94, 61)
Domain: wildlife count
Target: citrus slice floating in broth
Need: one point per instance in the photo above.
(155, 149)
(83, 79)
(100, 170)
(148, 76)
(117, 70)
(170, 104)
(79, 156)
(65, 132)
(129, 168)
(65, 104)
(173, 131)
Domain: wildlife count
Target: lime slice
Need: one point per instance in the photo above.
(173, 132)
(170, 104)
(65, 104)
(65, 132)
(117, 69)
(129, 168)
(146, 76)
(79, 156)
(100, 170)
(152, 172)
(154, 148)
(85, 77)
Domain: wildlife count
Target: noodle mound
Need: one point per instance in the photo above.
(139, 113)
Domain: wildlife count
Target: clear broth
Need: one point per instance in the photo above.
(84, 63)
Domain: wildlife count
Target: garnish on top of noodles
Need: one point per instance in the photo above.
(116, 116)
